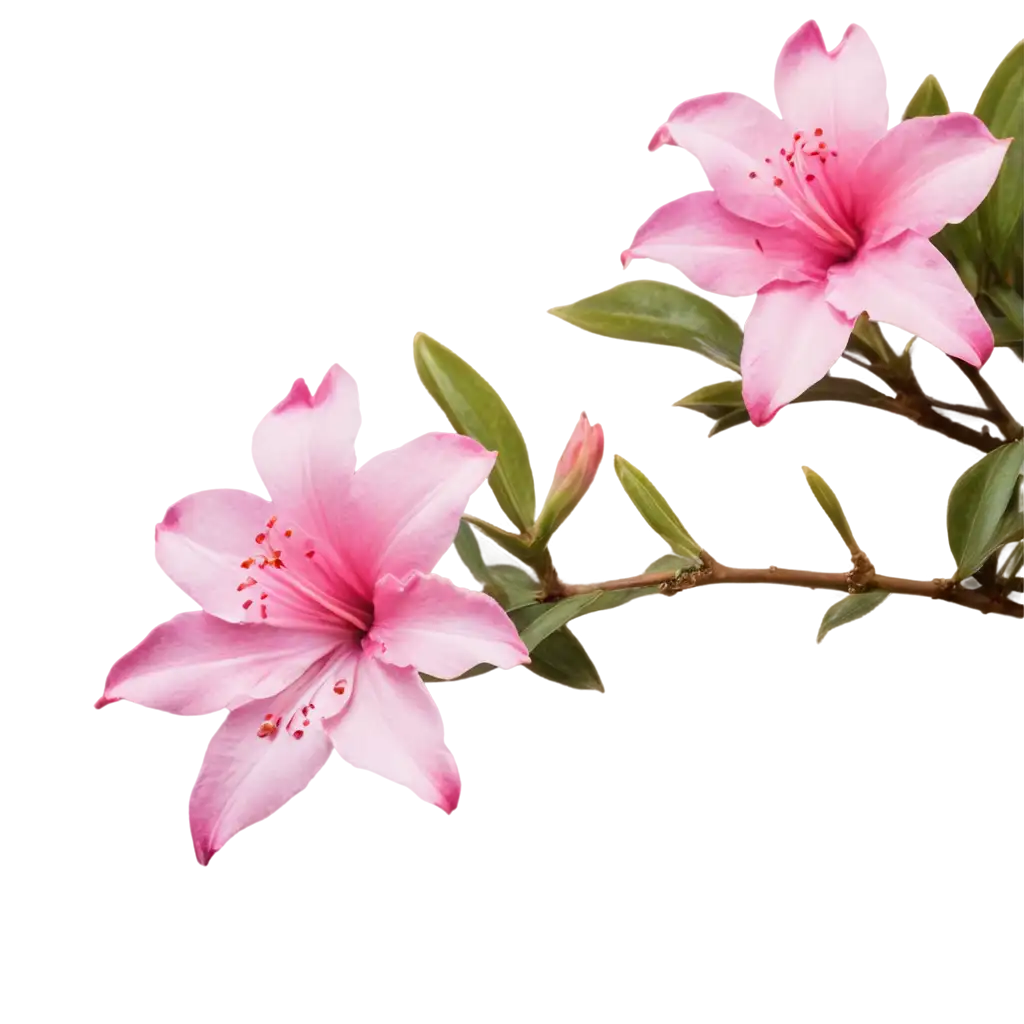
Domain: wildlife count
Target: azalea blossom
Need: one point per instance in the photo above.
(318, 613)
(825, 214)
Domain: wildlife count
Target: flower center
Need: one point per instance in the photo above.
(284, 570)
(804, 182)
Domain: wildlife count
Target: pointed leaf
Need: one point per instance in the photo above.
(730, 419)
(1001, 107)
(715, 400)
(1011, 305)
(561, 658)
(1011, 525)
(467, 548)
(854, 606)
(928, 101)
(511, 542)
(553, 616)
(1003, 82)
(661, 314)
(978, 504)
(473, 408)
(656, 510)
(829, 503)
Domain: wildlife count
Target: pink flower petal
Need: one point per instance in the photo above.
(925, 173)
(304, 450)
(732, 135)
(247, 776)
(908, 283)
(792, 339)
(197, 663)
(391, 726)
(723, 253)
(209, 544)
(841, 91)
(404, 506)
(441, 629)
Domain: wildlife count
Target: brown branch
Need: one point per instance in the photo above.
(1002, 416)
(713, 572)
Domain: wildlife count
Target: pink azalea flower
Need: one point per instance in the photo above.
(318, 612)
(824, 214)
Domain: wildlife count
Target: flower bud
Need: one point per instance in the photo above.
(573, 476)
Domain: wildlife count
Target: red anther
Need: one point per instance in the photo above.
(276, 554)
(271, 521)
(822, 158)
(268, 717)
(266, 729)
(260, 538)
(777, 183)
(278, 722)
(782, 152)
(297, 734)
(821, 145)
(752, 174)
(339, 687)
(797, 136)
(834, 153)
(809, 177)
(247, 604)
(310, 554)
(767, 159)
(276, 564)
(248, 562)
(263, 611)
(249, 582)
(287, 533)
(312, 705)
(264, 596)
(305, 721)
(818, 132)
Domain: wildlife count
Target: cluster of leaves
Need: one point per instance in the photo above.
(528, 591)
(984, 526)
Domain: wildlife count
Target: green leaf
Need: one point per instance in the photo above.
(854, 606)
(561, 658)
(1013, 562)
(1011, 526)
(1003, 82)
(1001, 107)
(615, 598)
(509, 585)
(656, 510)
(553, 616)
(467, 548)
(1001, 210)
(511, 542)
(517, 595)
(474, 409)
(1005, 334)
(978, 504)
(661, 314)
(928, 101)
(829, 503)
(730, 419)
(715, 400)
(1011, 305)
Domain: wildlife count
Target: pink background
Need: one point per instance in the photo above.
(195, 206)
